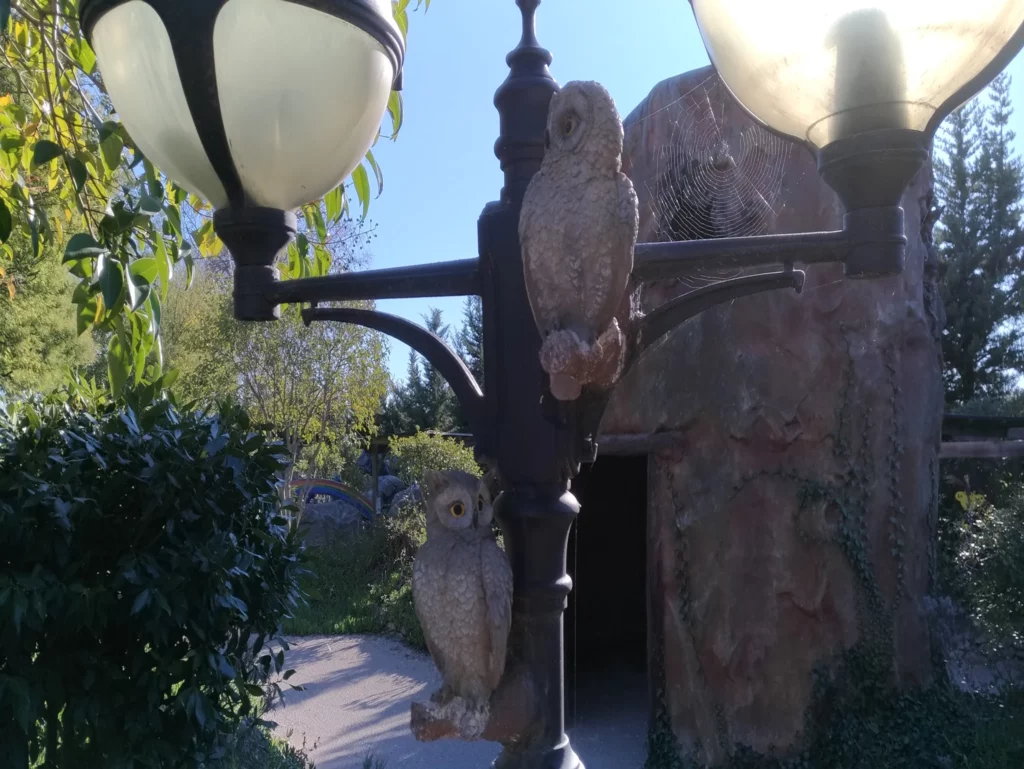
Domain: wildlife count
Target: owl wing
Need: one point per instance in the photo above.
(540, 234)
(426, 597)
(496, 574)
(610, 234)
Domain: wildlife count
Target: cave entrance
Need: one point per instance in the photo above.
(606, 619)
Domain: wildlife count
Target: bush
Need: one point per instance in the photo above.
(144, 569)
(363, 584)
(416, 454)
(984, 546)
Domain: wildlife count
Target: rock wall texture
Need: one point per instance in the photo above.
(793, 517)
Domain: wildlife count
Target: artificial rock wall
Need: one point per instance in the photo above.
(792, 518)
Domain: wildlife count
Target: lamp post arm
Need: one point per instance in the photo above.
(660, 261)
(652, 327)
(456, 278)
(427, 344)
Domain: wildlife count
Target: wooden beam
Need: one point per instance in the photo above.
(981, 449)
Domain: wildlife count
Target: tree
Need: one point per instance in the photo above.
(425, 401)
(980, 183)
(470, 339)
(60, 137)
(317, 388)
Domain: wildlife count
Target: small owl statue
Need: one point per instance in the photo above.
(462, 590)
(578, 228)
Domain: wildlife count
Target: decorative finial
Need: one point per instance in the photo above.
(529, 10)
(522, 102)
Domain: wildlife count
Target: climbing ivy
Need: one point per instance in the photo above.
(856, 717)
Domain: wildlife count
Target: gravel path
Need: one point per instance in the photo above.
(358, 692)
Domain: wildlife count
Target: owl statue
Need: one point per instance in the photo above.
(578, 228)
(462, 590)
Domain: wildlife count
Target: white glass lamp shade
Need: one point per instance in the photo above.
(301, 94)
(823, 70)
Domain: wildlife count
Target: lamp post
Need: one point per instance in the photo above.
(864, 89)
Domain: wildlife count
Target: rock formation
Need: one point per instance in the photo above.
(792, 517)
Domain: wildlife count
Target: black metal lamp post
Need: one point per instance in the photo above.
(864, 109)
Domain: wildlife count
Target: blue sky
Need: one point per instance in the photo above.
(442, 171)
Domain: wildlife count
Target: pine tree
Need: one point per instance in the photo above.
(424, 401)
(470, 340)
(980, 183)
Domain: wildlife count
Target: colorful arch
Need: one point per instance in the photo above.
(311, 487)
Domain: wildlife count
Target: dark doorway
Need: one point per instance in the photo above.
(606, 620)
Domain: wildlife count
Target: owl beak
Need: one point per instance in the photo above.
(476, 520)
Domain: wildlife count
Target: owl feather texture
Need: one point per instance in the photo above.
(462, 591)
(578, 229)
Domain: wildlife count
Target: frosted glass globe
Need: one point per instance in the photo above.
(301, 94)
(822, 70)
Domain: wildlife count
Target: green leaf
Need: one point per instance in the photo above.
(335, 203)
(44, 152)
(6, 222)
(112, 284)
(395, 110)
(112, 147)
(318, 222)
(186, 256)
(174, 217)
(151, 206)
(376, 171)
(86, 315)
(164, 266)
(362, 184)
(81, 246)
(132, 291)
(117, 369)
(84, 55)
(155, 309)
(145, 268)
(79, 173)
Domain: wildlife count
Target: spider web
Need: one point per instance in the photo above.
(712, 180)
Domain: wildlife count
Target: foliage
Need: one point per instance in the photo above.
(145, 567)
(317, 385)
(198, 331)
(318, 388)
(415, 454)
(425, 401)
(121, 220)
(364, 583)
(980, 240)
(469, 342)
(39, 340)
(983, 552)
(859, 721)
(254, 747)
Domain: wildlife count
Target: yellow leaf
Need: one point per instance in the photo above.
(10, 289)
(961, 497)
(6, 100)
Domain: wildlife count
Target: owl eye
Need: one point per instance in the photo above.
(569, 125)
(479, 504)
(457, 509)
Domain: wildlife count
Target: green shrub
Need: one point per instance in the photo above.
(416, 454)
(984, 548)
(363, 584)
(144, 569)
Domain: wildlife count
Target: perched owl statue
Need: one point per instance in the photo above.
(462, 590)
(578, 228)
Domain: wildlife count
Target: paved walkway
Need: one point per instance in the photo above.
(358, 692)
